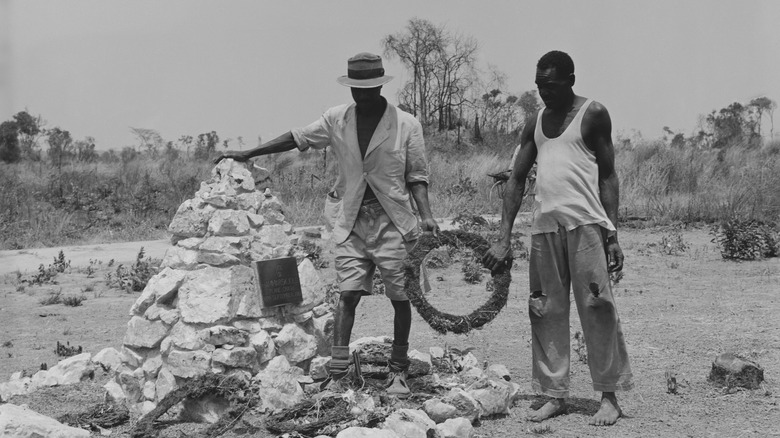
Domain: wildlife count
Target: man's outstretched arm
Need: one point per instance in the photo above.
(283, 143)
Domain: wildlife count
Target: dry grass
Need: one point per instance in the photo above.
(122, 201)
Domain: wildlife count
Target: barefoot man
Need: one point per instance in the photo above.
(574, 242)
(382, 166)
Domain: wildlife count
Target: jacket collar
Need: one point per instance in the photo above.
(382, 132)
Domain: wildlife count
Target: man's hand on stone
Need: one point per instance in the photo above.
(233, 155)
(430, 226)
(498, 257)
(614, 257)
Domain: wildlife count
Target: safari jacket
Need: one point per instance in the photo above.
(395, 157)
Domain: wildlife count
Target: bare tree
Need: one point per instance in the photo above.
(149, 139)
(442, 70)
(764, 105)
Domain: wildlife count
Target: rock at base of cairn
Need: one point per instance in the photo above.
(731, 370)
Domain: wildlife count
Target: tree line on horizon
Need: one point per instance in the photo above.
(447, 91)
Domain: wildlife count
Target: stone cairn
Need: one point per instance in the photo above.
(203, 311)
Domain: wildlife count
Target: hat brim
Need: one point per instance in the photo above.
(363, 83)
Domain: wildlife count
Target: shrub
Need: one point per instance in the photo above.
(672, 242)
(73, 300)
(745, 239)
(65, 350)
(53, 298)
(135, 277)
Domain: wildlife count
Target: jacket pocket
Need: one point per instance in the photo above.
(333, 210)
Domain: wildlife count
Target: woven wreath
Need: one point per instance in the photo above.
(445, 322)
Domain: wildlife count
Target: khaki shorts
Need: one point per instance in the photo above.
(374, 242)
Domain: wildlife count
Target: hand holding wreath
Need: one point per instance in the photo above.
(445, 322)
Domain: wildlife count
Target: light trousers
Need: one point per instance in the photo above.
(574, 260)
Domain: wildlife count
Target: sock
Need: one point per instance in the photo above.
(339, 360)
(399, 359)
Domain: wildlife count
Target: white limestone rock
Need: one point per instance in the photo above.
(160, 288)
(456, 428)
(114, 392)
(41, 379)
(152, 365)
(190, 242)
(439, 411)
(21, 422)
(496, 398)
(207, 295)
(186, 336)
(191, 219)
(228, 223)
(321, 310)
(142, 408)
(425, 358)
(250, 326)
(165, 383)
(130, 357)
(295, 344)
(437, 353)
(279, 385)
(499, 371)
(467, 405)
(244, 357)
(188, 363)
(468, 361)
(180, 258)
(354, 345)
(222, 244)
(313, 289)
(108, 358)
(250, 303)
(255, 220)
(272, 235)
(73, 369)
(17, 385)
(318, 368)
(409, 423)
(366, 432)
(264, 344)
(149, 390)
(131, 386)
(250, 201)
(143, 333)
(223, 334)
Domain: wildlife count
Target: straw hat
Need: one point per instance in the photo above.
(364, 70)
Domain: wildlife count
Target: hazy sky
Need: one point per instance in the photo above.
(249, 68)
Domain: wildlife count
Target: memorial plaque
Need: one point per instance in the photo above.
(278, 281)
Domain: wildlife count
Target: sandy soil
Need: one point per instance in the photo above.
(678, 313)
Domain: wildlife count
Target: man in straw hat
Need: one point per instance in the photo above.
(381, 157)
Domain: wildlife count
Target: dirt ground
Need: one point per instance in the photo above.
(678, 313)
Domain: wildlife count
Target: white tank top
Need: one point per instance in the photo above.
(567, 180)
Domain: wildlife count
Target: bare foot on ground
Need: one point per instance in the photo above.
(609, 412)
(552, 408)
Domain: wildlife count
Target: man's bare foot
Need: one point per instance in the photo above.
(609, 412)
(552, 408)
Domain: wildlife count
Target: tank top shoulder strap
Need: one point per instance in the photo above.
(538, 132)
(581, 114)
